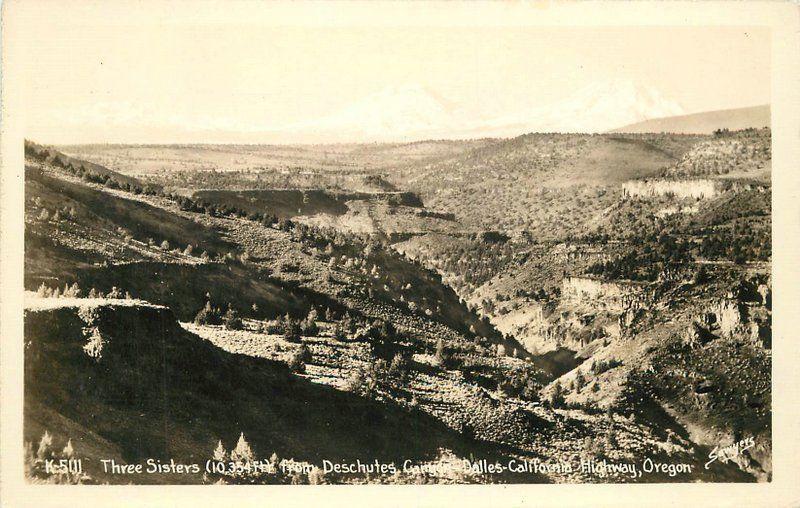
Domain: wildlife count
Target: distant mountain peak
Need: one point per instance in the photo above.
(597, 107)
(393, 113)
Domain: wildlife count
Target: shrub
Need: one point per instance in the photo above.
(299, 359)
(309, 325)
(339, 332)
(292, 331)
(598, 367)
(208, 315)
(523, 382)
(231, 319)
(400, 366)
(444, 357)
(556, 397)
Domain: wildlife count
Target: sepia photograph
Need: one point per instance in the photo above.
(269, 254)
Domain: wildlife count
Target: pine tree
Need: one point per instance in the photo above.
(231, 319)
(204, 315)
(43, 291)
(68, 452)
(309, 325)
(220, 454)
(556, 398)
(580, 381)
(44, 215)
(44, 446)
(339, 332)
(242, 452)
(442, 355)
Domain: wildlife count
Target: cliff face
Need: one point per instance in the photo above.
(614, 296)
(744, 314)
(696, 189)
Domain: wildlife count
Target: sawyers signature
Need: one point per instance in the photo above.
(726, 453)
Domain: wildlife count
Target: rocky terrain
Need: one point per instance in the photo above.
(556, 300)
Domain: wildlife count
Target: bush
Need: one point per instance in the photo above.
(556, 397)
(208, 315)
(523, 382)
(400, 366)
(444, 358)
(339, 332)
(292, 331)
(598, 367)
(299, 359)
(231, 319)
(309, 325)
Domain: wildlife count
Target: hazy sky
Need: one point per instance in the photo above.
(151, 79)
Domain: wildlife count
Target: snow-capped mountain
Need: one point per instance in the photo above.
(598, 107)
(393, 114)
(409, 112)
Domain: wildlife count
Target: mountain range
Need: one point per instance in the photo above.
(403, 113)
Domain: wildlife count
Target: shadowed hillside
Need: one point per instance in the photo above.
(148, 389)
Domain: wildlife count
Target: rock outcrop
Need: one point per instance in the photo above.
(695, 189)
(614, 296)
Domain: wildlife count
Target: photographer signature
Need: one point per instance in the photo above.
(726, 453)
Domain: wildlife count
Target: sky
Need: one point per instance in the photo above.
(149, 79)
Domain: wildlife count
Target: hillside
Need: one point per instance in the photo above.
(706, 122)
(349, 167)
(529, 315)
(293, 252)
(624, 294)
(545, 184)
(184, 394)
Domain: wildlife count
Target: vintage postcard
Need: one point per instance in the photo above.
(397, 244)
